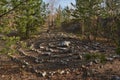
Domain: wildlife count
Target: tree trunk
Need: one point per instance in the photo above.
(83, 29)
(27, 35)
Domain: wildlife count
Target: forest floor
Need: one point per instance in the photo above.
(58, 56)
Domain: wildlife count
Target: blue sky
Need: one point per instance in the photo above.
(63, 3)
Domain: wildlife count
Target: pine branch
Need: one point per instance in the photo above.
(12, 9)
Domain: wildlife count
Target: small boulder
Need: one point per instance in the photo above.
(115, 78)
(64, 44)
(109, 59)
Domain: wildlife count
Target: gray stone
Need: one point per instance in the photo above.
(109, 59)
(115, 78)
(96, 61)
(46, 53)
(101, 66)
(38, 51)
(64, 44)
(90, 63)
(67, 50)
(42, 47)
(93, 71)
(115, 56)
(80, 56)
(37, 60)
(44, 74)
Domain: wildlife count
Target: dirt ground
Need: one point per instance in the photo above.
(61, 57)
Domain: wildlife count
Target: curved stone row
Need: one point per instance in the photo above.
(56, 53)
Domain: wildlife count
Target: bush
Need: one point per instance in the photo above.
(10, 45)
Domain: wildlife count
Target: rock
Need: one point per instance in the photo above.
(63, 62)
(64, 44)
(47, 49)
(65, 50)
(32, 47)
(62, 72)
(83, 67)
(23, 66)
(3, 76)
(115, 78)
(38, 51)
(44, 74)
(67, 72)
(25, 63)
(53, 50)
(62, 48)
(90, 63)
(96, 61)
(46, 53)
(115, 56)
(101, 66)
(67, 60)
(37, 60)
(40, 74)
(86, 47)
(96, 44)
(93, 51)
(41, 47)
(52, 73)
(109, 59)
(80, 57)
(94, 70)
(51, 45)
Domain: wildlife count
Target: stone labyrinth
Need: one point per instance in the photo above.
(45, 56)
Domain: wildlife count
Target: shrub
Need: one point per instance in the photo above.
(10, 45)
